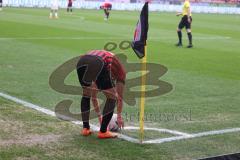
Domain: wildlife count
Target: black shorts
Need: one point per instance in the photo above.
(109, 7)
(106, 8)
(184, 23)
(0, 1)
(69, 4)
(93, 69)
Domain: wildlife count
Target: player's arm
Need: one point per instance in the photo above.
(178, 14)
(120, 89)
(119, 74)
(188, 14)
(95, 102)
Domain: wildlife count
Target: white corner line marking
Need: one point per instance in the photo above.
(181, 136)
(51, 113)
(163, 130)
(201, 134)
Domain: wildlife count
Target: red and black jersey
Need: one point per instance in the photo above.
(112, 63)
(70, 1)
(106, 5)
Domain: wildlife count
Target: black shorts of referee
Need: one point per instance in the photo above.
(184, 22)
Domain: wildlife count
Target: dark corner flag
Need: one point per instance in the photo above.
(141, 31)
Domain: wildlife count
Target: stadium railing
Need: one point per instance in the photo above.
(198, 6)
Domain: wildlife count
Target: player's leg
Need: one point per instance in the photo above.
(95, 102)
(88, 68)
(109, 9)
(106, 14)
(179, 32)
(104, 82)
(71, 7)
(108, 113)
(85, 106)
(56, 13)
(189, 33)
(108, 108)
(85, 101)
(51, 13)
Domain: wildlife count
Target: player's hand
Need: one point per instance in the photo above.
(178, 14)
(120, 121)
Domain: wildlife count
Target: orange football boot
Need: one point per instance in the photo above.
(107, 134)
(86, 132)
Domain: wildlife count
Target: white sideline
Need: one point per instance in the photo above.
(181, 135)
(201, 134)
(51, 113)
(163, 130)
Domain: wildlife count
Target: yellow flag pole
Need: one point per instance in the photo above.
(142, 99)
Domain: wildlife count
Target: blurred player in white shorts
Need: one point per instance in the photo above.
(54, 9)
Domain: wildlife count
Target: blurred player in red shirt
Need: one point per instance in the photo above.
(100, 70)
(106, 7)
(69, 7)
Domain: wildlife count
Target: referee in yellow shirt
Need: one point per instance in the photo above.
(185, 22)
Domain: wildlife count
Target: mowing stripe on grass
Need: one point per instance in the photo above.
(105, 38)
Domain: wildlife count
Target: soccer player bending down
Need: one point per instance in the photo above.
(106, 7)
(101, 70)
(69, 7)
(0, 5)
(54, 9)
(185, 22)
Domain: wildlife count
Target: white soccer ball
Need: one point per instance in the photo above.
(113, 126)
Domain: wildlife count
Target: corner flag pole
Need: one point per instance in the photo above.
(139, 46)
(142, 99)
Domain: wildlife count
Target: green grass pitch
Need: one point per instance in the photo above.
(205, 79)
